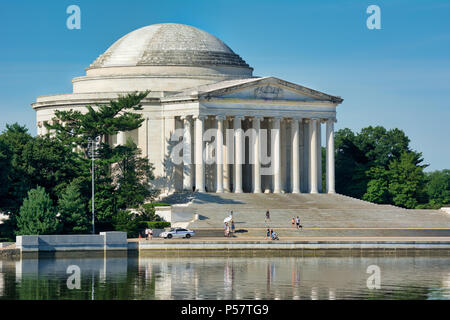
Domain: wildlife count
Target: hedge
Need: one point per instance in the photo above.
(155, 224)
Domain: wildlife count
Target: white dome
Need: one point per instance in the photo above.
(169, 44)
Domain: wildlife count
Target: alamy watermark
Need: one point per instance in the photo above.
(373, 22)
(374, 280)
(74, 20)
(182, 153)
(74, 280)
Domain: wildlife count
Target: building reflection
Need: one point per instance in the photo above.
(127, 277)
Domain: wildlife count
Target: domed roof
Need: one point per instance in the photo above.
(169, 44)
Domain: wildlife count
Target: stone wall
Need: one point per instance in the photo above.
(50, 243)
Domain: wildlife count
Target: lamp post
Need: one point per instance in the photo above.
(93, 145)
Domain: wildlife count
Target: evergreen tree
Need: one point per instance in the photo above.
(438, 188)
(72, 210)
(378, 186)
(15, 137)
(133, 175)
(37, 214)
(112, 190)
(407, 180)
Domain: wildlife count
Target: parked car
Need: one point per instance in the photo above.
(177, 233)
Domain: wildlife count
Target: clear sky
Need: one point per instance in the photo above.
(398, 76)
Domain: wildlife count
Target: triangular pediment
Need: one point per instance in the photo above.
(268, 88)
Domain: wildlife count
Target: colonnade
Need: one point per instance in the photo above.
(236, 156)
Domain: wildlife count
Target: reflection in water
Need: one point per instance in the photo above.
(226, 278)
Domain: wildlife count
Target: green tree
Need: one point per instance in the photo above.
(407, 180)
(378, 186)
(37, 214)
(51, 164)
(127, 222)
(115, 185)
(5, 168)
(72, 210)
(133, 175)
(14, 138)
(438, 188)
(378, 165)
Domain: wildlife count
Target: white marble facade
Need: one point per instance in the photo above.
(229, 130)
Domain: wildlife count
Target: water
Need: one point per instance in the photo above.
(242, 277)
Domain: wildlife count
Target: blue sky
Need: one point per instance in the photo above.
(398, 76)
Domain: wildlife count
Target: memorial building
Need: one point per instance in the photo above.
(229, 130)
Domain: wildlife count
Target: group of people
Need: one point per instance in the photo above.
(148, 233)
(229, 228)
(296, 223)
(270, 234)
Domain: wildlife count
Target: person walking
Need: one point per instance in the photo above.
(268, 233)
(225, 229)
(150, 233)
(147, 233)
(297, 222)
(232, 227)
(293, 222)
(267, 216)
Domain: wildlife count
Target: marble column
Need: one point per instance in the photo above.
(199, 161)
(257, 155)
(239, 153)
(330, 157)
(228, 156)
(319, 155)
(121, 138)
(313, 156)
(295, 157)
(187, 155)
(276, 156)
(219, 154)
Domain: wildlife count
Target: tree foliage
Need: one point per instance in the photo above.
(37, 214)
(378, 165)
(72, 211)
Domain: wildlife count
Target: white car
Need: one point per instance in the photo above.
(177, 233)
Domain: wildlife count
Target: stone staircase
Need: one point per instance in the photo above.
(320, 214)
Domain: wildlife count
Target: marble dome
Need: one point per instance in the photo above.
(167, 57)
(169, 44)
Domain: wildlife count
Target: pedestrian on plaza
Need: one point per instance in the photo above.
(229, 230)
(267, 216)
(293, 222)
(147, 232)
(268, 233)
(225, 227)
(150, 233)
(232, 227)
(297, 222)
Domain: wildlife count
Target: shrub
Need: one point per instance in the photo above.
(127, 222)
(148, 210)
(37, 214)
(155, 224)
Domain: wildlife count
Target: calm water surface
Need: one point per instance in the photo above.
(426, 277)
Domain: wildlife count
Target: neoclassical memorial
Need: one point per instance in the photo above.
(233, 131)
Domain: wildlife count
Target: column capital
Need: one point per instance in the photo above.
(331, 120)
(238, 117)
(221, 117)
(184, 117)
(199, 117)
